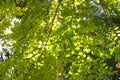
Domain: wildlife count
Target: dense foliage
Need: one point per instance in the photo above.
(59, 39)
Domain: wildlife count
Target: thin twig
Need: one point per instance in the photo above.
(1, 18)
(53, 20)
(107, 17)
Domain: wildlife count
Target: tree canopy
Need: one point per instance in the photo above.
(59, 39)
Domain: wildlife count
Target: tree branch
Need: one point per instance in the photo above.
(107, 17)
(53, 20)
(1, 18)
(50, 30)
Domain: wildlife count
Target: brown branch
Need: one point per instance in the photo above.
(53, 20)
(107, 17)
(2, 18)
(50, 30)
